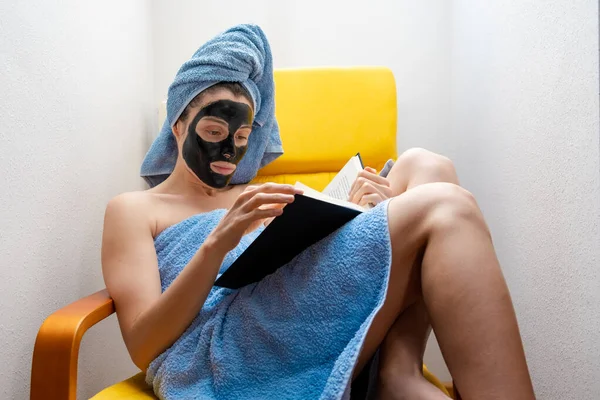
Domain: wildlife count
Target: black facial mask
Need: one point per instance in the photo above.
(198, 153)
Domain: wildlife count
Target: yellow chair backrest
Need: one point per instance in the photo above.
(327, 115)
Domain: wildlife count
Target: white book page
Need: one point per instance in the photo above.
(339, 187)
(315, 194)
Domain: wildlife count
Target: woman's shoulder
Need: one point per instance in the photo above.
(150, 210)
(131, 201)
(132, 209)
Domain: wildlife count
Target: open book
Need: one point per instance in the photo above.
(311, 217)
(338, 189)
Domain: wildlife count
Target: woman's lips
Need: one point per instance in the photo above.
(223, 168)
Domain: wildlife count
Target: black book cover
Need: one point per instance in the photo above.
(303, 223)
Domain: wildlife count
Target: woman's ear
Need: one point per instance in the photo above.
(179, 128)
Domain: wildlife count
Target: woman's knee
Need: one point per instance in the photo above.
(433, 206)
(451, 206)
(428, 164)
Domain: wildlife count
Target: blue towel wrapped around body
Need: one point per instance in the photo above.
(294, 335)
(240, 54)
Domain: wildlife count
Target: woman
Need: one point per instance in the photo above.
(422, 254)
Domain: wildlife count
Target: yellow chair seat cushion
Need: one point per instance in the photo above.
(135, 388)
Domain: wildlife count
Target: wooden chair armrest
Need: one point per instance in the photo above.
(56, 351)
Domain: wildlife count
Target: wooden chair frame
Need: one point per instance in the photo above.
(56, 351)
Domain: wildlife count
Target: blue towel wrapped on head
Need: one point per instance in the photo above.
(241, 54)
(297, 333)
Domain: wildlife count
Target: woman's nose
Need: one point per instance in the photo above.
(228, 149)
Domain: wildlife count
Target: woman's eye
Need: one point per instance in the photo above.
(214, 133)
(244, 138)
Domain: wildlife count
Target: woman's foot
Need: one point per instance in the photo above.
(401, 358)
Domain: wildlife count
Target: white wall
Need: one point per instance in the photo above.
(525, 136)
(76, 107)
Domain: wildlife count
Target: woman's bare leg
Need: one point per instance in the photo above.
(400, 374)
(401, 353)
(463, 290)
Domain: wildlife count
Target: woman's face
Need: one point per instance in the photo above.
(217, 137)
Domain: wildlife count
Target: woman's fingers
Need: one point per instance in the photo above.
(260, 199)
(371, 188)
(367, 175)
(366, 187)
(256, 204)
(273, 205)
(252, 191)
(370, 199)
(370, 174)
(261, 202)
(358, 183)
(275, 188)
(260, 213)
(254, 218)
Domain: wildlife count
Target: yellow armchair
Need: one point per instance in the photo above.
(326, 115)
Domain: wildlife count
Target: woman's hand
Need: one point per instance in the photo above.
(369, 188)
(252, 207)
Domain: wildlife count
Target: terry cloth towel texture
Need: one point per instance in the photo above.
(296, 334)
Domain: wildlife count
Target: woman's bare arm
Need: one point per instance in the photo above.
(150, 321)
